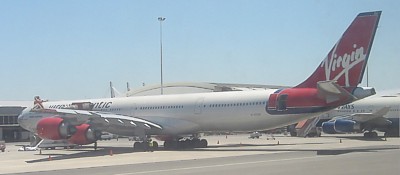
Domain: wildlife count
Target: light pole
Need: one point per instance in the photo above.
(161, 19)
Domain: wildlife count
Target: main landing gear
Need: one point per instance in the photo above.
(389, 133)
(145, 146)
(370, 134)
(185, 144)
(171, 143)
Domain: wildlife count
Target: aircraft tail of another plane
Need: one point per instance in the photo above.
(346, 62)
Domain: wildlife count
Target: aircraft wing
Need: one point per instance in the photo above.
(365, 117)
(100, 120)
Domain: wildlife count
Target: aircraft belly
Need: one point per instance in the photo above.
(248, 122)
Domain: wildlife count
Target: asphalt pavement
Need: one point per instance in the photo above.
(232, 154)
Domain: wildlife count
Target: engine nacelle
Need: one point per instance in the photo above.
(346, 126)
(54, 128)
(84, 135)
(329, 127)
(362, 92)
(340, 126)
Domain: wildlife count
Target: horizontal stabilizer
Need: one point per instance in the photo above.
(331, 92)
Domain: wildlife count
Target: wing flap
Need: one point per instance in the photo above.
(124, 120)
(364, 117)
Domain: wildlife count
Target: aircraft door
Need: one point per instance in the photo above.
(282, 99)
(199, 106)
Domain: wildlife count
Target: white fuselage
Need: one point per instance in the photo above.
(191, 113)
(370, 105)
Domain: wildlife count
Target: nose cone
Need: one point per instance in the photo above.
(23, 118)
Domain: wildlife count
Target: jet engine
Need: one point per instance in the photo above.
(84, 135)
(340, 126)
(329, 127)
(54, 128)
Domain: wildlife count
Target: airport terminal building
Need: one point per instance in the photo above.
(9, 127)
(9, 110)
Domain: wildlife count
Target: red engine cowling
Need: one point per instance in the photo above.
(54, 128)
(84, 135)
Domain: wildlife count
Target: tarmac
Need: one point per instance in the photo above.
(226, 153)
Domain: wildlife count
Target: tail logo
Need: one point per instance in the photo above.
(346, 61)
(342, 63)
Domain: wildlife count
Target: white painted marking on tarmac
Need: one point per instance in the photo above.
(215, 166)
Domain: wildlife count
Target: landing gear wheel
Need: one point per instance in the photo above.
(170, 144)
(138, 146)
(185, 144)
(370, 134)
(203, 143)
(95, 145)
(196, 143)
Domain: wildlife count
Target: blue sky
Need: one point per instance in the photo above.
(72, 49)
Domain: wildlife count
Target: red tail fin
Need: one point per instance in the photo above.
(346, 61)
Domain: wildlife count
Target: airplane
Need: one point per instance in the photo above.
(372, 113)
(179, 119)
